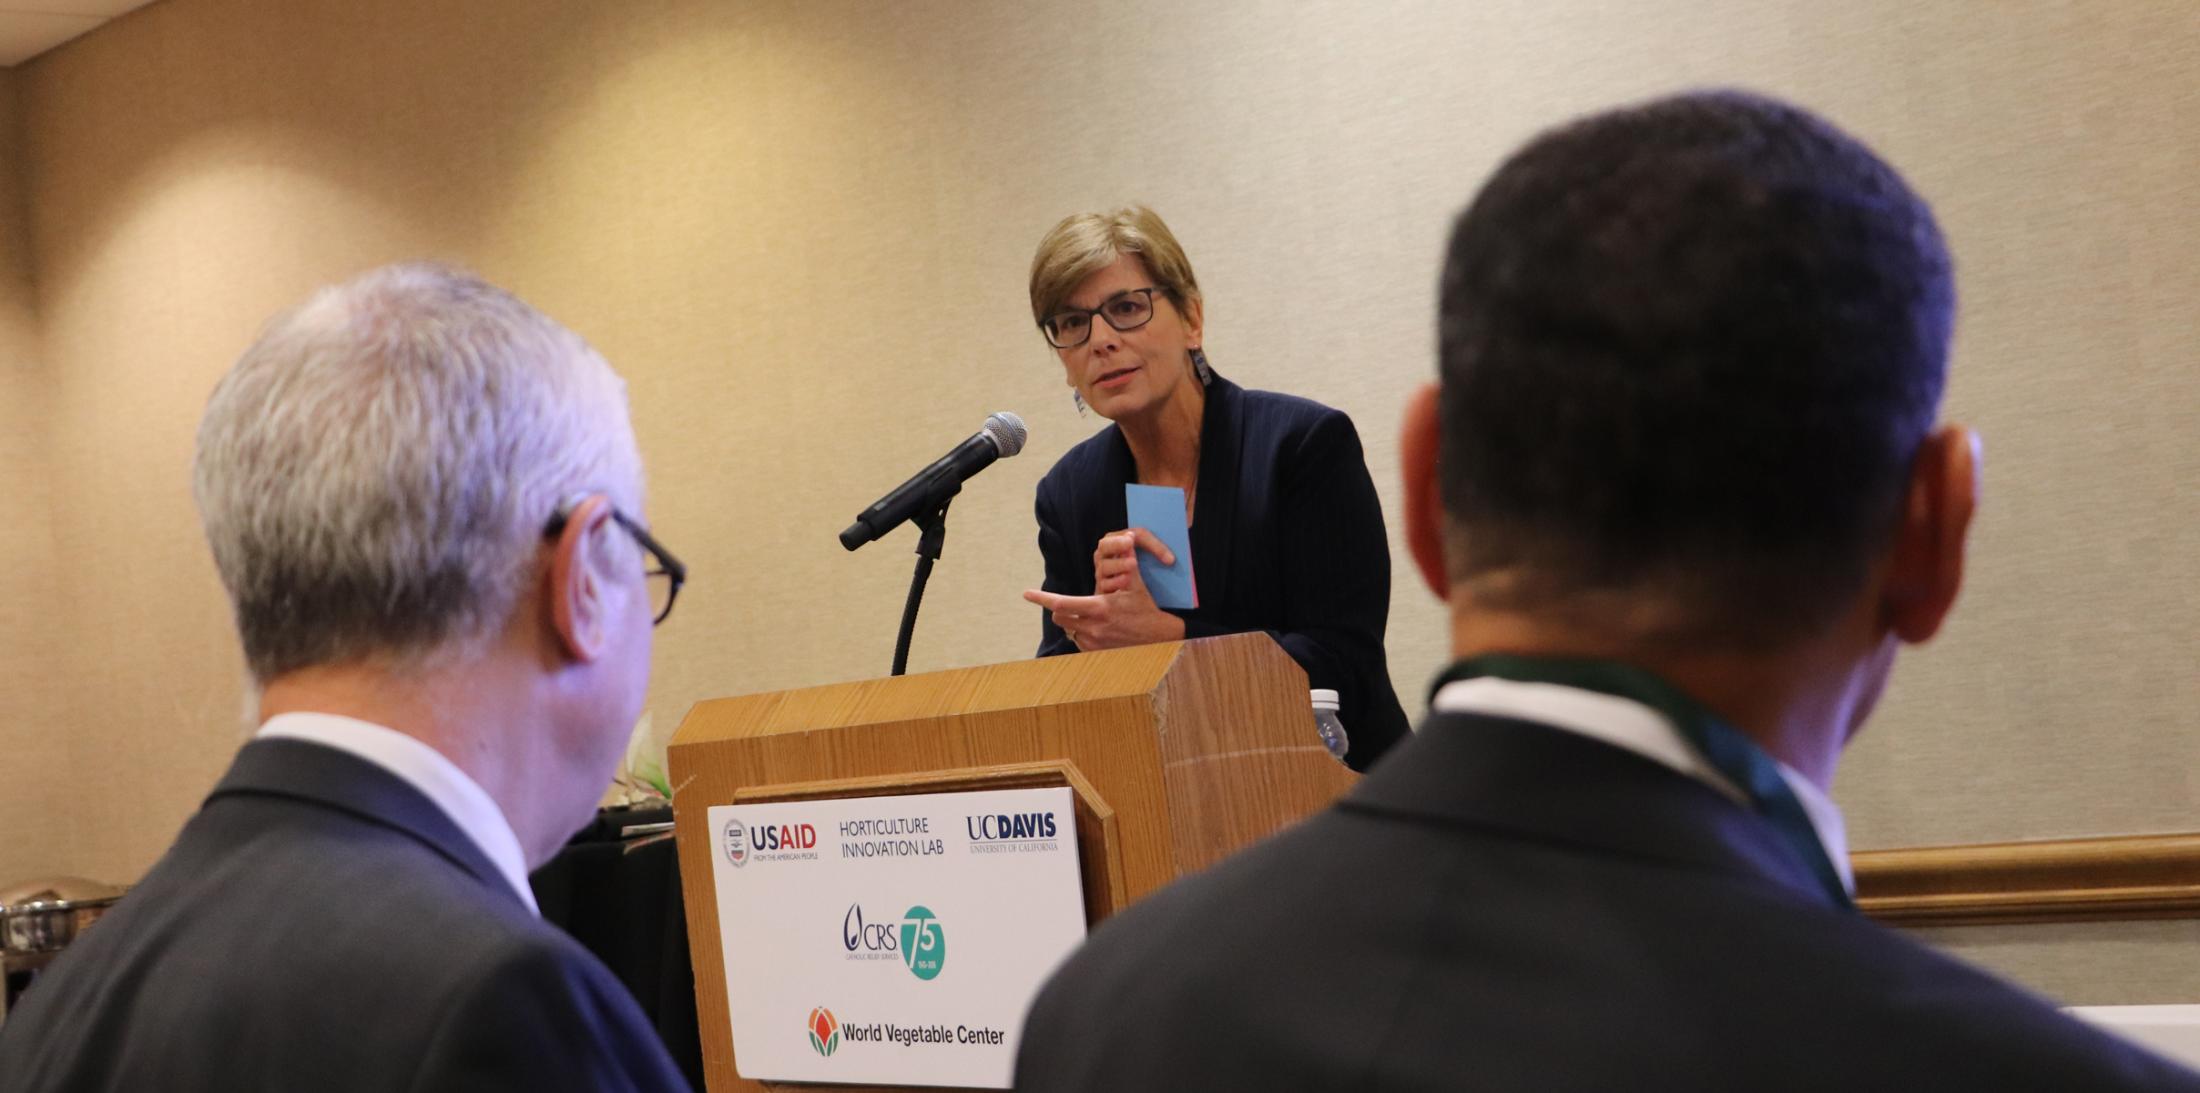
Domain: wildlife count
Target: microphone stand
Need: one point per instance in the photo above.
(933, 522)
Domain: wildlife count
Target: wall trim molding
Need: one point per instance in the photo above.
(2062, 880)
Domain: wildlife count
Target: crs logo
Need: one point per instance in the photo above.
(737, 843)
(824, 1031)
(923, 942)
(918, 939)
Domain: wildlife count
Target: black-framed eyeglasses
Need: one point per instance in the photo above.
(665, 574)
(1126, 310)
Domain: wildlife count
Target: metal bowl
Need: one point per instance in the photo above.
(43, 916)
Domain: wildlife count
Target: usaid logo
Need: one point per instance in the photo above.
(737, 843)
(771, 842)
(784, 837)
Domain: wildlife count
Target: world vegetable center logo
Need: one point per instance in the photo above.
(824, 1031)
(918, 939)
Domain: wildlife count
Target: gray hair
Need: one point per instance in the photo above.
(376, 472)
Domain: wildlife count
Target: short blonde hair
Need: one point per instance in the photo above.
(1084, 244)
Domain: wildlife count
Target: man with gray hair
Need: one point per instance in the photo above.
(425, 502)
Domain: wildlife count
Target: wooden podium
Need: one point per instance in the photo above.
(1178, 753)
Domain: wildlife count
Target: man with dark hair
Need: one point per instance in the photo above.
(1682, 490)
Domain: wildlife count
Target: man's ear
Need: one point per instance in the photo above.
(1924, 569)
(1418, 444)
(579, 614)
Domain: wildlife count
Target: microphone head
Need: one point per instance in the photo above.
(1007, 433)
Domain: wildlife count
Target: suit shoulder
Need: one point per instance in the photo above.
(1082, 459)
(341, 920)
(357, 899)
(1310, 956)
(529, 959)
(1298, 431)
(541, 1014)
(1289, 411)
(1227, 979)
(1941, 1007)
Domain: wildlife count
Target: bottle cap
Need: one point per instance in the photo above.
(1323, 697)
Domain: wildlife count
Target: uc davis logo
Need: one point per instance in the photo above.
(923, 942)
(737, 843)
(1013, 833)
(824, 1031)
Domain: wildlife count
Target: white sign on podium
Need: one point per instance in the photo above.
(892, 940)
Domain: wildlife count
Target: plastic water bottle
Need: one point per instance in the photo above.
(1328, 724)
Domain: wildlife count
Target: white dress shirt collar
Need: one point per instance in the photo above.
(425, 769)
(1625, 723)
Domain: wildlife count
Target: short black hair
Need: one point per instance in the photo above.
(1693, 346)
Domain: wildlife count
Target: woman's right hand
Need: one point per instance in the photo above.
(1115, 560)
(1120, 612)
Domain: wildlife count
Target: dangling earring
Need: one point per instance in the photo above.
(1199, 368)
(1078, 398)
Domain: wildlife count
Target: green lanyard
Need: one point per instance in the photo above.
(1725, 747)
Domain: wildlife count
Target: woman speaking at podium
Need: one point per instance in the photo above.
(1285, 530)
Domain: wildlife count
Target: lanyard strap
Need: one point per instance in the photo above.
(1726, 748)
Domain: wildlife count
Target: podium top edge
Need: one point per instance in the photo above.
(1039, 682)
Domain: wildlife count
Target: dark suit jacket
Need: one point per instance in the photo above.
(1508, 906)
(1287, 537)
(321, 926)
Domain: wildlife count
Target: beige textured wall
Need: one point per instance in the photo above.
(801, 228)
(36, 772)
(2088, 963)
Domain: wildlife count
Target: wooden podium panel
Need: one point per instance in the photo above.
(1180, 753)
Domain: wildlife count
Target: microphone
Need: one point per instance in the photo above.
(1002, 436)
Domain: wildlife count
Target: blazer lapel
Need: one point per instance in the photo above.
(325, 776)
(1545, 783)
(1117, 469)
(1215, 511)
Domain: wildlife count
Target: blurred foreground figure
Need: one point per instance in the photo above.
(1682, 488)
(425, 502)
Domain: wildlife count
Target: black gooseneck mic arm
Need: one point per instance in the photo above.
(932, 523)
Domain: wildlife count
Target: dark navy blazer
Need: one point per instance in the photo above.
(1508, 907)
(320, 925)
(1287, 537)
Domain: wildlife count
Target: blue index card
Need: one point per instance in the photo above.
(1160, 509)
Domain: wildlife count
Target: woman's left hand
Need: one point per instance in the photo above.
(1121, 612)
